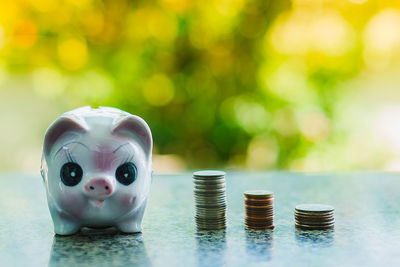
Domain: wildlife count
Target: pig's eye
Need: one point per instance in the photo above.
(126, 173)
(71, 174)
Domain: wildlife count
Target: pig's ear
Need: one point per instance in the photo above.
(136, 127)
(58, 128)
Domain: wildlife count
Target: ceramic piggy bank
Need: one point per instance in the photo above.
(96, 167)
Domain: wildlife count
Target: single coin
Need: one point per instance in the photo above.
(210, 209)
(209, 186)
(263, 215)
(210, 228)
(258, 193)
(313, 219)
(258, 199)
(209, 190)
(260, 224)
(209, 173)
(210, 197)
(313, 216)
(209, 181)
(259, 228)
(251, 211)
(266, 211)
(314, 208)
(311, 213)
(315, 224)
(264, 205)
(210, 216)
(259, 218)
(305, 227)
(259, 208)
(208, 203)
(209, 219)
(204, 205)
(211, 200)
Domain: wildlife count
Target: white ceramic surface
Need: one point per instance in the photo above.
(97, 167)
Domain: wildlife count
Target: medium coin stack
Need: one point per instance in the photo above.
(314, 216)
(210, 199)
(259, 208)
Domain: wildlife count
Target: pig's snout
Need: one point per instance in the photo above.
(98, 188)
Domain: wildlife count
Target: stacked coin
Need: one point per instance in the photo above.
(314, 216)
(210, 198)
(259, 206)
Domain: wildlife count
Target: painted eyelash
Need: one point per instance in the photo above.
(69, 157)
(128, 159)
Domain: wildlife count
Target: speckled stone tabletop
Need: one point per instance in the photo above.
(366, 233)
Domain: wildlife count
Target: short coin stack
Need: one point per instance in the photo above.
(314, 216)
(210, 198)
(259, 206)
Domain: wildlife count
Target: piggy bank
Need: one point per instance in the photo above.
(96, 167)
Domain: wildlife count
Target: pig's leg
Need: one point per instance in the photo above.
(65, 227)
(63, 224)
(132, 223)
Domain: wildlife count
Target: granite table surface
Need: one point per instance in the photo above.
(366, 232)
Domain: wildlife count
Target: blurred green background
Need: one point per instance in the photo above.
(305, 85)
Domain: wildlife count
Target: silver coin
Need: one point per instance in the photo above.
(207, 187)
(207, 211)
(211, 201)
(314, 217)
(314, 223)
(314, 208)
(304, 218)
(209, 173)
(209, 181)
(311, 227)
(210, 205)
(209, 197)
(211, 219)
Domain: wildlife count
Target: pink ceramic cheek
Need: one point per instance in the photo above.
(73, 204)
(128, 202)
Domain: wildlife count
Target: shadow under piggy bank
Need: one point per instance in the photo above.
(105, 247)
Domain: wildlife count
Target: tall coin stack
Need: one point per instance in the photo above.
(259, 208)
(314, 216)
(210, 199)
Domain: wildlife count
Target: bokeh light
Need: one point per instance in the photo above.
(300, 85)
